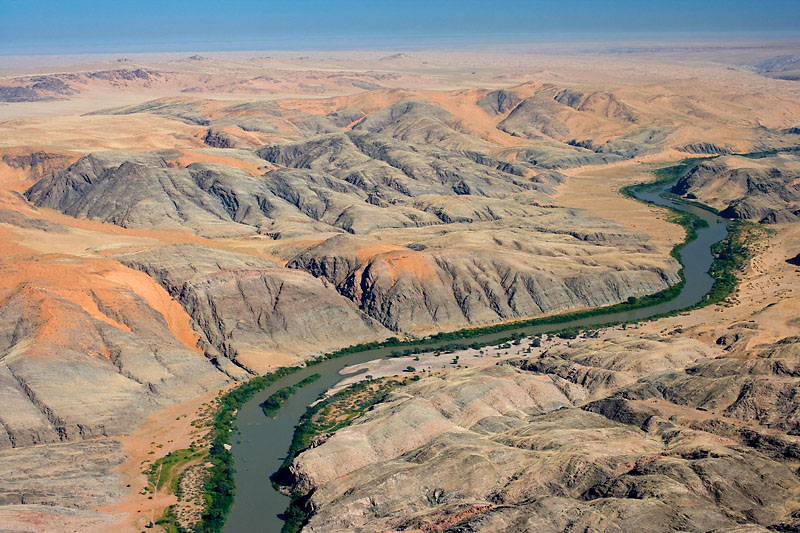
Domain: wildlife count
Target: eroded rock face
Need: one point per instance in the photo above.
(84, 355)
(37, 164)
(219, 138)
(420, 122)
(500, 102)
(569, 440)
(408, 290)
(495, 399)
(362, 182)
(759, 386)
(705, 149)
(145, 191)
(764, 190)
(609, 129)
(249, 308)
(600, 365)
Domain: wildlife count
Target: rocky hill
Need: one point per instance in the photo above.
(90, 348)
(764, 189)
(613, 435)
(248, 308)
(458, 243)
(784, 67)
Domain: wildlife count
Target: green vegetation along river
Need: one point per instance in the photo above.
(262, 442)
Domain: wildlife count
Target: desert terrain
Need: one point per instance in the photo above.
(174, 225)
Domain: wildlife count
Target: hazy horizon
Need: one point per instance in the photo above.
(91, 27)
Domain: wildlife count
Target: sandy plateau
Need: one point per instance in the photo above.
(171, 226)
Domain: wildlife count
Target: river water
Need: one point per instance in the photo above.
(262, 443)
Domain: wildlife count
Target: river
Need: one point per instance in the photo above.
(262, 443)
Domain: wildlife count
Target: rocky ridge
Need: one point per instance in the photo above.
(764, 190)
(122, 357)
(248, 307)
(418, 237)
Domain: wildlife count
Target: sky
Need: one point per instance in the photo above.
(91, 26)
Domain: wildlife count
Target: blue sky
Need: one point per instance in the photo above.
(75, 26)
